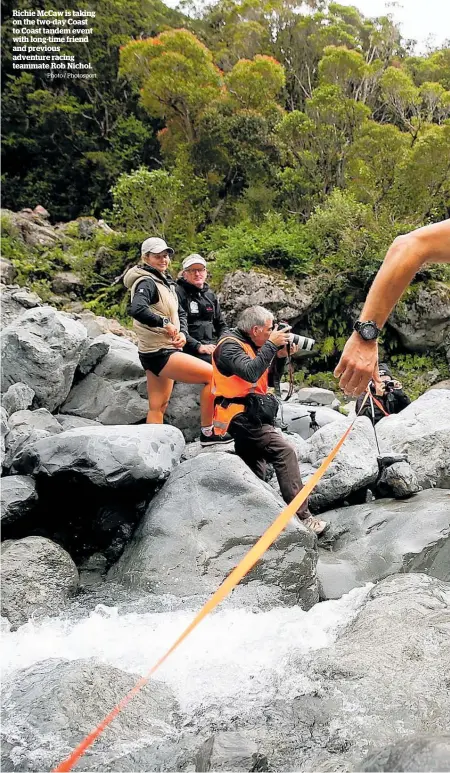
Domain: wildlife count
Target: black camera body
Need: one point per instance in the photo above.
(389, 387)
(303, 342)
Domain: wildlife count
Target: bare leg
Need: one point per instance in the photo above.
(159, 389)
(190, 370)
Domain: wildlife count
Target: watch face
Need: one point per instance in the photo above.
(368, 332)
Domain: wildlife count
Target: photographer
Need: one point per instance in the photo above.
(381, 403)
(244, 363)
(204, 317)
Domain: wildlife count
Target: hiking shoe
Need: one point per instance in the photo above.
(215, 440)
(315, 525)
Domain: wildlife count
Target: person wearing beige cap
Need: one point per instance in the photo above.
(204, 317)
(161, 327)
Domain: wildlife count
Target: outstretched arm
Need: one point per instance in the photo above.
(359, 361)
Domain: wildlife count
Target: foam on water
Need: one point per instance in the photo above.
(230, 665)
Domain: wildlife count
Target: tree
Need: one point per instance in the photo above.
(255, 84)
(177, 77)
(146, 201)
(373, 161)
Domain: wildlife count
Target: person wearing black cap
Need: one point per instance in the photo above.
(387, 400)
(205, 320)
(161, 327)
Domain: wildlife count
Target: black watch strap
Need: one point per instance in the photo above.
(368, 330)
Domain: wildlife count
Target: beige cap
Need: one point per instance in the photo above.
(155, 245)
(192, 259)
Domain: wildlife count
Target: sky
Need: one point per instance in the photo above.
(419, 19)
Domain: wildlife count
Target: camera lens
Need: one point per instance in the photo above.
(303, 342)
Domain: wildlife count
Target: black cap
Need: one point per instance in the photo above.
(384, 370)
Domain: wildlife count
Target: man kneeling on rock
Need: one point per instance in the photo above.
(244, 362)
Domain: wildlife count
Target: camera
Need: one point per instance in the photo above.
(303, 342)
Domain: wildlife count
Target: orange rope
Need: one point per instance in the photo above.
(249, 560)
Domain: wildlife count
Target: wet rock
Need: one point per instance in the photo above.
(49, 707)
(420, 752)
(18, 498)
(202, 522)
(18, 397)
(371, 541)
(38, 577)
(230, 751)
(105, 456)
(399, 480)
(42, 349)
(422, 432)
(385, 678)
(115, 392)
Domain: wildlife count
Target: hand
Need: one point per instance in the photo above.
(397, 384)
(285, 353)
(280, 337)
(171, 330)
(206, 348)
(179, 341)
(358, 365)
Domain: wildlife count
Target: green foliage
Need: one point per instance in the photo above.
(418, 372)
(275, 243)
(145, 200)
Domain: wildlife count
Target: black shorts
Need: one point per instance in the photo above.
(156, 361)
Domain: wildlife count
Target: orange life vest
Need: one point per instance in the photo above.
(228, 387)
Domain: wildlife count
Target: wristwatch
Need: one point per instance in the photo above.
(165, 321)
(367, 330)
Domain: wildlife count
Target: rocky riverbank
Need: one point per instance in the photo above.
(104, 517)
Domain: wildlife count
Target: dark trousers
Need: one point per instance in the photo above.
(195, 353)
(258, 445)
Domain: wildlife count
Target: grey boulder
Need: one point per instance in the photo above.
(298, 417)
(115, 392)
(14, 302)
(27, 427)
(229, 751)
(18, 397)
(429, 753)
(183, 410)
(284, 298)
(371, 541)
(42, 349)
(385, 678)
(7, 271)
(423, 321)
(399, 480)
(4, 429)
(106, 456)
(18, 498)
(38, 577)
(94, 353)
(422, 432)
(51, 706)
(75, 422)
(354, 467)
(201, 524)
